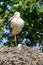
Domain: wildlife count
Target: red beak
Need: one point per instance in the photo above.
(12, 18)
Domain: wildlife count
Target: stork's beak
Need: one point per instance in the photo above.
(14, 16)
(8, 19)
(11, 18)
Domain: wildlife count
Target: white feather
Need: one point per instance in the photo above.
(17, 24)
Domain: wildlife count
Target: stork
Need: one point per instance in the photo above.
(17, 23)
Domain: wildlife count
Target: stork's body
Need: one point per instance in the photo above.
(17, 24)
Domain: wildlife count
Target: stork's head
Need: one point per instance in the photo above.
(17, 14)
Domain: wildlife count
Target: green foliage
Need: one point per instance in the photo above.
(32, 13)
(1, 25)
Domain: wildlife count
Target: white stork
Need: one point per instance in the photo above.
(17, 23)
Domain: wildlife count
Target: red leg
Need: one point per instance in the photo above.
(15, 40)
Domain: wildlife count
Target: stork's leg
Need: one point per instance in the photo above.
(15, 39)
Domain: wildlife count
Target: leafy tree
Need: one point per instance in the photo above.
(32, 13)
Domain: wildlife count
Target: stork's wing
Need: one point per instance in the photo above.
(17, 25)
(20, 22)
